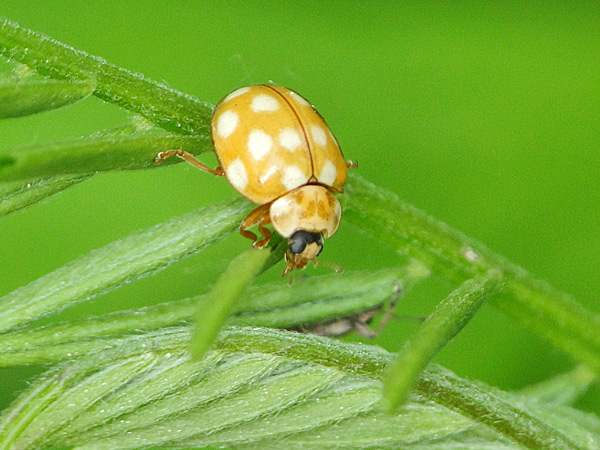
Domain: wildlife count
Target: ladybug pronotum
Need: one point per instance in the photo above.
(276, 150)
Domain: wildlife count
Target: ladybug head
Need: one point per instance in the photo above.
(304, 246)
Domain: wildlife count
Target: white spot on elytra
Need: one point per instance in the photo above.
(227, 123)
(236, 93)
(293, 177)
(264, 102)
(299, 99)
(259, 144)
(318, 134)
(264, 178)
(328, 174)
(237, 175)
(290, 139)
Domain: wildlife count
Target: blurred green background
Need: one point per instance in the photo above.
(484, 115)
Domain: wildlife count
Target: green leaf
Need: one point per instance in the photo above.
(227, 291)
(306, 302)
(530, 302)
(120, 262)
(264, 388)
(79, 396)
(257, 388)
(30, 96)
(128, 146)
(16, 195)
(447, 319)
(562, 389)
(91, 154)
(170, 109)
(508, 414)
(321, 299)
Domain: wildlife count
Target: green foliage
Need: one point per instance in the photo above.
(126, 380)
(25, 97)
(120, 262)
(444, 322)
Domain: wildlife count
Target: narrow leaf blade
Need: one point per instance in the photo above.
(19, 194)
(313, 300)
(168, 108)
(447, 319)
(262, 386)
(119, 262)
(31, 96)
(91, 154)
(226, 292)
(533, 303)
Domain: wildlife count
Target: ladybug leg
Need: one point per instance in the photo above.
(364, 330)
(162, 156)
(264, 220)
(352, 164)
(259, 216)
(398, 292)
(289, 267)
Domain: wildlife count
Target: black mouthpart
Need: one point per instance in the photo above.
(301, 238)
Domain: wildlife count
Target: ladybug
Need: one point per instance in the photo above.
(276, 150)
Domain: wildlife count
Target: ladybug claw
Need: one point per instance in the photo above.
(159, 158)
(261, 243)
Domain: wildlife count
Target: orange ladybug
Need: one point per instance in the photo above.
(276, 150)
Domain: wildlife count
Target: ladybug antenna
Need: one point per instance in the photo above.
(335, 267)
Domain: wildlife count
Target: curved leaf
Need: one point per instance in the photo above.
(446, 321)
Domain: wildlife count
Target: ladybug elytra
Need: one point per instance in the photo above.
(276, 150)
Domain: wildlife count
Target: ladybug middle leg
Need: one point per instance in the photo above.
(162, 156)
(261, 217)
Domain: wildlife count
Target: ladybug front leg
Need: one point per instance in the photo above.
(261, 217)
(162, 156)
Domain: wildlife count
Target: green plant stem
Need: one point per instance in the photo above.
(446, 321)
(493, 409)
(227, 290)
(168, 108)
(530, 302)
